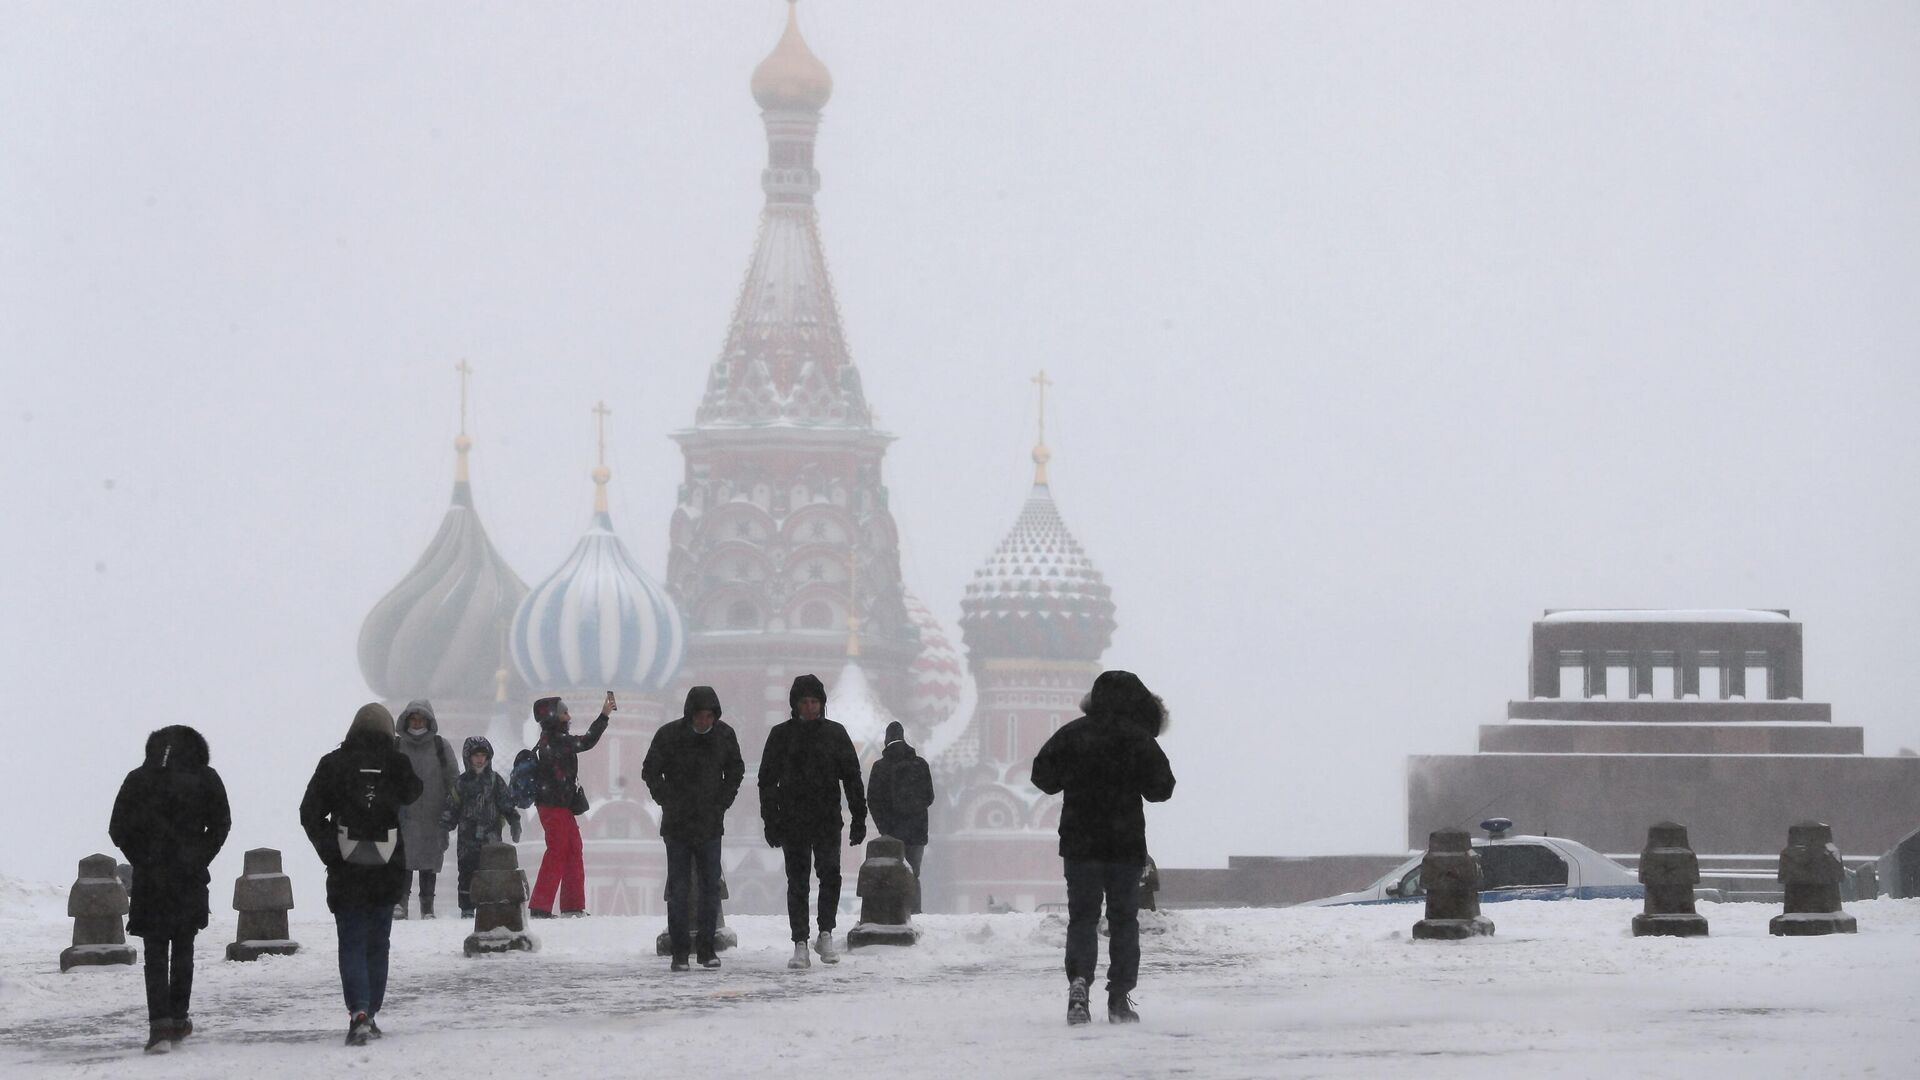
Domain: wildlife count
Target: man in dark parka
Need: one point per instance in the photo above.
(353, 803)
(170, 820)
(807, 762)
(899, 791)
(693, 771)
(1106, 762)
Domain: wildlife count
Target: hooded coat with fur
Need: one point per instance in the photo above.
(694, 776)
(433, 762)
(1107, 762)
(170, 819)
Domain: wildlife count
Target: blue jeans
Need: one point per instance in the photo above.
(693, 866)
(1118, 883)
(364, 934)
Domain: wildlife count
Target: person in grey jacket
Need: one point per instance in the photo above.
(481, 808)
(432, 759)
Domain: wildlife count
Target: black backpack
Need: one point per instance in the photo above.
(363, 842)
(525, 782)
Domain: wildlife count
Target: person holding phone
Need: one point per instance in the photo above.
(559, 800)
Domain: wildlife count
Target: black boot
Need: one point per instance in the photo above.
(182, 1027)
(1077, 1003)
(1120, 1008)
(159, 1036)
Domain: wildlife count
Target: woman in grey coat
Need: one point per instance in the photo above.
(433, 762)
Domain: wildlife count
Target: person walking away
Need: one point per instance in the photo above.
(481, 809)
(899, 791)
(807, 762)
(432, 759)
(351, 815)
(170, 819)
(1106, 762)
(560, 801)
(693, 771)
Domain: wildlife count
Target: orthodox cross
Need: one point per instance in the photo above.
(601, 412)
(1043, 382)
(466, 372)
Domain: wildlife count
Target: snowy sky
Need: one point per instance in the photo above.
(1377, 329)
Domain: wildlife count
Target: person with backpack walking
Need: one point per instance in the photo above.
(560, 801)
(170, 819)
(432, 759)
(480, 809)
(693, 771)
(807, 762)
(1106, 762)
(899, 791)
(351, 815)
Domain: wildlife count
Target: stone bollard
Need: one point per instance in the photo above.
(499, 893)
(1669, 869)
(887, 890)
(1866, 882)
(724, 937)
(263, 896)
(1811, 870)
(97, 904)
(1451, 875)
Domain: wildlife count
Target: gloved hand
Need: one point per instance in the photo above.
(857, 835)
(515, 827)
(773, 838)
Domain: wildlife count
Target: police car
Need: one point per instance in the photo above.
(1511, 868)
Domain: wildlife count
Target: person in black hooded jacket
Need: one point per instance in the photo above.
(693, 771)
(170, 819)
(351, 815)
(808, 760)
(1106, 762)
(899, 791)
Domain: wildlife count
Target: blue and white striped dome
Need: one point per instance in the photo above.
(599, 622)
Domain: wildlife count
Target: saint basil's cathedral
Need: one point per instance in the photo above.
(783, 558)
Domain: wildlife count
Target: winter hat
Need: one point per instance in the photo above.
(804, 687)
(476, 744)
(373, 719)
(544, 710)
(895, 734)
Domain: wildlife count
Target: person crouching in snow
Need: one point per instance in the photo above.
(480, 808)
(1106, 761)
(560, 800)
(351, 815)
(807, 761)
(693, 771)
(170, 819)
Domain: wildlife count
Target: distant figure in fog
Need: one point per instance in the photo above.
(693, 771)
(1106, 761)
(481, 809)
(899, 791)
(432, 758)
(170, 819)
(351, 815)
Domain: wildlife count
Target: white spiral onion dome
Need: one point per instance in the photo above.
(598, 622)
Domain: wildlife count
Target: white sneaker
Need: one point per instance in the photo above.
(800, 959)
(824, 946)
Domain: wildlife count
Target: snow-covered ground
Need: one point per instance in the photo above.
(1562, 990)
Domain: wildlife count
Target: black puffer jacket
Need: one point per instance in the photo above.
(899, 790)
(804, 768)
(328, 804)
(1107, 762)
(170, 819)
(559, 753)
(694, 777)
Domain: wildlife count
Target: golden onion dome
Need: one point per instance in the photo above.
(791, 77)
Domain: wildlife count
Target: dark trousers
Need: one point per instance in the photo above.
(824, 856)
(364, 936)
(914, 854)
(693, 866)
(428, 878)
(1089, 881)
(468, 862)
(169, 962)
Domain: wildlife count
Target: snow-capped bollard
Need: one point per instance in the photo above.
(499, 904)
(724, 937)
(887, 889)
(263, 896)
(1669, 869)
(1451, 875)
(97, 904)
(1811, 869)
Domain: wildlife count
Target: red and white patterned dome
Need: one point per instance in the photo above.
(939, 675)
